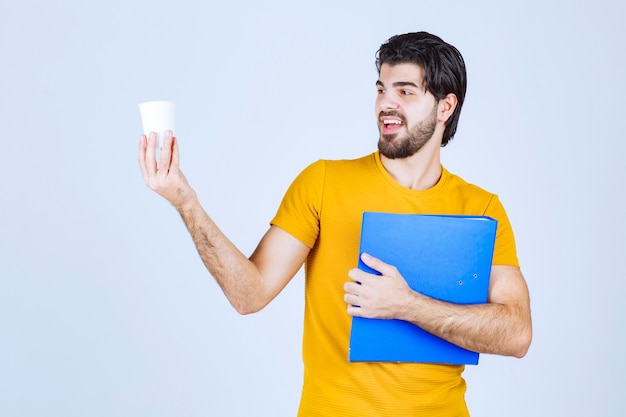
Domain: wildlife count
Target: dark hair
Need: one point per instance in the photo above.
(444, 68)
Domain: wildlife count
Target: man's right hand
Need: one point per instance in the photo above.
(166, 178)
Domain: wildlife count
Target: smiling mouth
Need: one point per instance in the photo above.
(390, 125)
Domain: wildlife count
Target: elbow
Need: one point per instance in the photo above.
(520, 352)
(245, 311)
(247, 308)
(246, 303)
(522, 344)
(523, 335)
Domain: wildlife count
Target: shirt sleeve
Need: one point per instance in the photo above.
(505, 252)
(299, 211)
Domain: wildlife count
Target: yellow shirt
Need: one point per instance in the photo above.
(323, 208)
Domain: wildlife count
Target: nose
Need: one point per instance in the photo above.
(386, 101)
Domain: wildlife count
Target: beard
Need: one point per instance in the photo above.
(393, 146)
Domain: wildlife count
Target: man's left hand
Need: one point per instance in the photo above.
(383, 296)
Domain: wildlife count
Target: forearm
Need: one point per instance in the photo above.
(501, 326)
(487, 328)
(237, 276)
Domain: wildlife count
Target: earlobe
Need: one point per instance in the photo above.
(446, 107)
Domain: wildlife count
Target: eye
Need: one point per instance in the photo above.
(406, 92)
(380, 90)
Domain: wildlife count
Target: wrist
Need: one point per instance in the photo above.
(410, 305)
(186, 200)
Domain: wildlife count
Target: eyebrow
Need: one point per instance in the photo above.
(400, 84)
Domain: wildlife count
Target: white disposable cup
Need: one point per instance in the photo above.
(158, 117)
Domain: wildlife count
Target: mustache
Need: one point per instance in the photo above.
(391, 114)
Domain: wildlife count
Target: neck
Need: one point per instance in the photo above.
(419, 171)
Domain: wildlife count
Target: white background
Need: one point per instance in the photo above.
(105, 307)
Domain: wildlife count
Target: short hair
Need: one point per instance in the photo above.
(443, 64)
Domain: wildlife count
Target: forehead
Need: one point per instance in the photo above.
(401, 73)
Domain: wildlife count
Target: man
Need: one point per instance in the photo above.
(421, 88)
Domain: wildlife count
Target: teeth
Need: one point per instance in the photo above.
(392, 122)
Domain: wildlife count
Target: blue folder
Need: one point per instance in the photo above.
(442, 256)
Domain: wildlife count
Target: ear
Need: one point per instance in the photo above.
(446, 107)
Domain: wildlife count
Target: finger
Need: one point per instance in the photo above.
(353, 302)
(355, 311)
(150, 154)
(351, 299)
(377, 264)
(358, 275)
(352, 287)
(165, 158)
(175, 155)
(142, 155)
